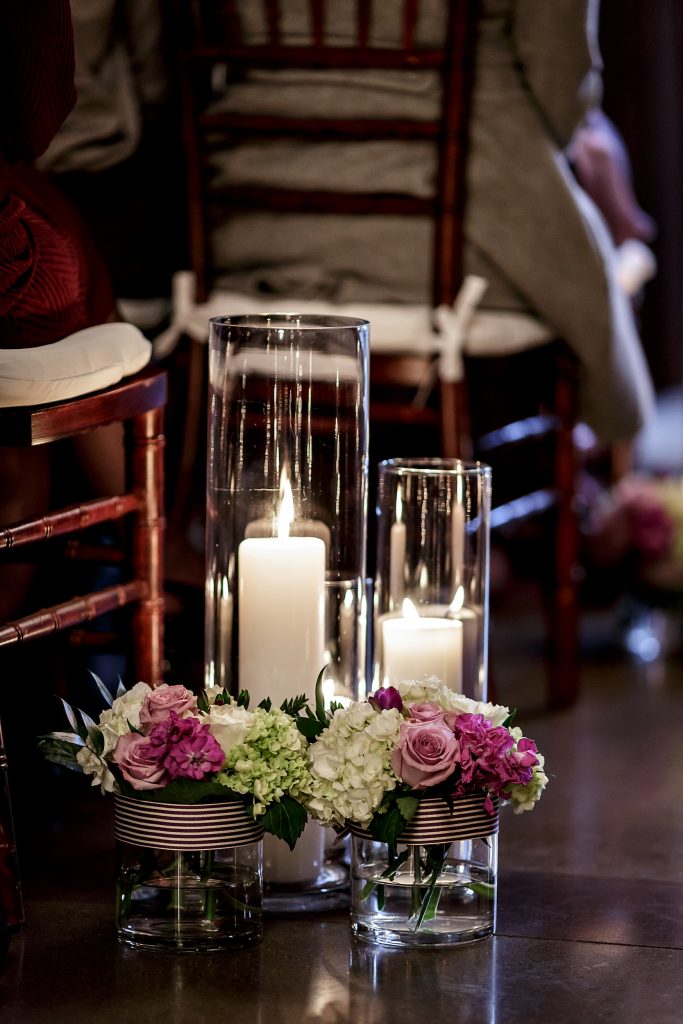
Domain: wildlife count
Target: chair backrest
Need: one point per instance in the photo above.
(223, 41)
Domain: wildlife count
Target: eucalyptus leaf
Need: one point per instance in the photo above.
(105, 692)
(88, 722)
(65, 737)
(72, 718)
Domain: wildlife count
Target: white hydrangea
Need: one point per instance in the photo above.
(114, 721)
(432, 689)
(351, 764)
(93, 765)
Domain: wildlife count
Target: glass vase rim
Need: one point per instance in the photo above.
(290, 321)
(434, 467)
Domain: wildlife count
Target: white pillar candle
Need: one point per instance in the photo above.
(281, 616)
(472, 685)
(414, 647)
(282, 650)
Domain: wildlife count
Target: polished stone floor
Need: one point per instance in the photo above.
(590, 925)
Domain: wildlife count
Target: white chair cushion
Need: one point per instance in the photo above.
(78, 364)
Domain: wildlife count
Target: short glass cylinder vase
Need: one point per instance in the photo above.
(431, 593)
(189, 876)
(441, 887)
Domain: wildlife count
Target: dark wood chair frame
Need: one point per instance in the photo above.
(198, 50)
(138, 402)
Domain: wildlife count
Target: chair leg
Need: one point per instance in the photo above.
(456, 442)
(563, 668)
(146, 454)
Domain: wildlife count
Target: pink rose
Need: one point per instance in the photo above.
(139, 762)
(159, 704)
(426, 711)
(427, 754)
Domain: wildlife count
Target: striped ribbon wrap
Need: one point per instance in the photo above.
(162, 826)
(435, 822)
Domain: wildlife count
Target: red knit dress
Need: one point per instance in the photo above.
(52, 282)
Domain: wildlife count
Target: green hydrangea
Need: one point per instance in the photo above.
(270, 762)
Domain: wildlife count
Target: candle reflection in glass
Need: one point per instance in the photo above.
(433, 538)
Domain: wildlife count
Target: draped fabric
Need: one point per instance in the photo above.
(51, 281)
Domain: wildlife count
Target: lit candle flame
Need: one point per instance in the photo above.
(458, 601)
(399, 506)
(285, 516)
(410, 612)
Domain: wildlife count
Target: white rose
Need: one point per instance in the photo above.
(229, 724)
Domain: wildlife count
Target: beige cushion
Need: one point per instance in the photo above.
(83, 362)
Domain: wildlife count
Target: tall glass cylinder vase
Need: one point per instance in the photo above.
(286, 530)
(432, 575)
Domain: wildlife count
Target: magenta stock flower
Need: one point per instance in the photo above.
(488, 757)
(426, 755)
(385, 698)
(186, 748)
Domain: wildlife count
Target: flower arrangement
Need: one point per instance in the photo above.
(377, 759)
(636, 528)
(168, 745)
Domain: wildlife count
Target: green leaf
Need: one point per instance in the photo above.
(386, 828)
(202, 702)
(408, 806)
(510, 719)
(483, 889)
(309, 727)
(243, 699)
(61, 751)
(295, 705)
(96, 739)
(320, 712)
(134, 728)
(105, 692)
(266, 703)
(188, 791)
(285, 819)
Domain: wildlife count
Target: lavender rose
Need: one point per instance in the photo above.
(159, 703)
(139, 762)
(427, 754)
(426, 711)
